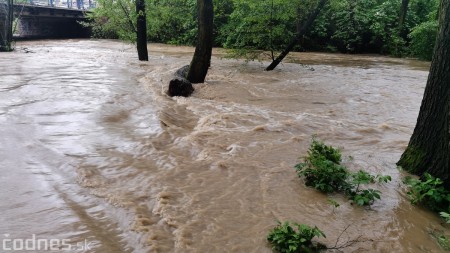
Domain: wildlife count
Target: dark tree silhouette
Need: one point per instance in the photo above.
(203, 50)
(141, 30)
(298, 36)
(6, 33)
(428, 150)
(402, 18)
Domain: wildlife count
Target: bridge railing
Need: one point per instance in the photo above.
(67, 4)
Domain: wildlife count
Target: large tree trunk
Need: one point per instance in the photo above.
(402, 18)
(6, 26)
(429, 147)
(141, 30)
(202, 56)
(9, 32)
(299, 35)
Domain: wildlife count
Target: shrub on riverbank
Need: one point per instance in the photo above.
(285, 238)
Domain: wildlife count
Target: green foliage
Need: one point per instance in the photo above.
(259, 25)
(365, 197)
(222, 12)
(353, 20)
(333, 203)
(441, 239)
(322, 170)
(320, 150)
(443, 242)
(362, 177)
(286, 239)
(445, 216)
(423, 38)
(113, 19)
(250, 27)
(172, 21)
(429, 192)
(383, 178)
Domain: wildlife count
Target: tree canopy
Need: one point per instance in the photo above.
(363, 26)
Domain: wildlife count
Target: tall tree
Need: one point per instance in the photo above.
(402, 17)
(428, 150)
(297, 37)
(203, 50)
(141, 30)
(6, 32)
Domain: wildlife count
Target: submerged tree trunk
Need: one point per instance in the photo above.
(298, 36)
(7, 27)
(402, 18)
(141, 30)
(203, 50)
(9, 36)
(428, 150)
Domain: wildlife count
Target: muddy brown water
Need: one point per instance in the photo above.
(94, 153)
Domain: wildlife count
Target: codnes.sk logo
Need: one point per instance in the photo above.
(33, 244)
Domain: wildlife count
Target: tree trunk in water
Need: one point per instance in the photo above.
(141, 30)
(428, 150)
(203, 50)
(9, 36)
(6, 41)
(300, 33)
(402, 18)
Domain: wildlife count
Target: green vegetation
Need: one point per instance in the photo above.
(333, 203)
(445, 216)
(322, 170)
(429, 192)
(443, 242)
(423, 38)
(286, 239)
(249, 27)
(441, 239)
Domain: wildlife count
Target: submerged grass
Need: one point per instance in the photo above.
(285, 238)
(322, 170)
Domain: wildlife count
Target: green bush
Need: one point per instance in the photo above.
(423, 38)
(321, 169)
(429, 192)
(109, 20)
(172, 21)
(285, 239)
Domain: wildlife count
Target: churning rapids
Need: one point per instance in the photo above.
(93, 152)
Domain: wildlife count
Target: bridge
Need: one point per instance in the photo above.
(46, 19)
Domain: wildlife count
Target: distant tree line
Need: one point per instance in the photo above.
(348, 26)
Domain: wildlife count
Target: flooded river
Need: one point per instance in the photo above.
(96, 157)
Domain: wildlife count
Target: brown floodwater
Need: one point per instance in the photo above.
(93, 152)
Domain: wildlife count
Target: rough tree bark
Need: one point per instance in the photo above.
(298, 36)
(6, 41)
(9, 36)
(141, 30)
(402, 18)
(428, 150)
(203, 50)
